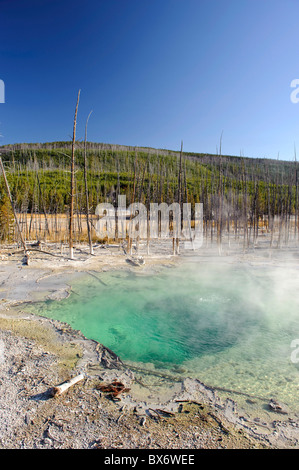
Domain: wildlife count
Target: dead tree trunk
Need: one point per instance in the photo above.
(60, 389)
(86, 190)
(130, 239)
(43, 204)
(71, 222)
(13, 208)
(176, 245)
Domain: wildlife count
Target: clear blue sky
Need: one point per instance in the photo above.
(154, 72)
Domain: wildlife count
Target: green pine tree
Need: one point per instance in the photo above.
(6, 219)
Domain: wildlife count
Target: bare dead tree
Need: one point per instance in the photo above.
(130, 240)
(296, 195)
(42, 202)
(176, 240)
(72, 195)
(86, 190)
(13, 208)
(220, 202)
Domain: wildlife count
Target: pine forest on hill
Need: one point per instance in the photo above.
(242, 197)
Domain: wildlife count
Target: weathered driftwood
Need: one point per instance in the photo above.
(165, 412)
(59, 389)
(154, 411)
(47, 253)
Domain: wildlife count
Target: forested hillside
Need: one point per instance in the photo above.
(238, 193)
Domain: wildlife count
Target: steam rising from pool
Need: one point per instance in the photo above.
(229, 325)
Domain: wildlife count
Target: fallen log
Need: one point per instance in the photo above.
(152, 410)
(59, 389)
(48, 253)
(165, 412)
(96, 277)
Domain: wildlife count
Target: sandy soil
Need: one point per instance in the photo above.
(37, 353)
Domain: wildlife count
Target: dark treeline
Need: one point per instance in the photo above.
(242, 197)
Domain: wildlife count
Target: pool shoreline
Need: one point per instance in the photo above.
(42, 280)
